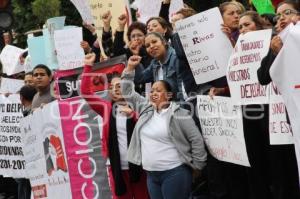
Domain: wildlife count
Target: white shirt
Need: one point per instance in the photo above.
(160, 73)
(121, 124)
(158, 151)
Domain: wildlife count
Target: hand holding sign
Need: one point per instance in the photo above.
(276, 44)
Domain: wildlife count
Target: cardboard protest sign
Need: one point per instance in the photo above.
(200, 35)
(46, 160)
(67, 44)
(285, 74)
(222, 129)
(12, 163)
(280, 130)
(244, 61)
(9, 58)
(37, 50)
(11, 86)
(83, 8)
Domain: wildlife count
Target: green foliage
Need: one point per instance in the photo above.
(45, 9)
(32, 15)
(24, 20)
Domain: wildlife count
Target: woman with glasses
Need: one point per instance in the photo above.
(285, 14)
(281, 157)
(135, 46)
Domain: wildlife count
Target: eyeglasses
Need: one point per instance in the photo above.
(285, 13)
(133, 36)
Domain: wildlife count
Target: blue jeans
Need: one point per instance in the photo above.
(170, 184)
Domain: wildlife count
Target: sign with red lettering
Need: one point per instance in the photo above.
(206, 47)
(280, 130)
(222, 129)
(244, 61)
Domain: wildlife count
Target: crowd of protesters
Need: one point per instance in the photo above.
(153, 145)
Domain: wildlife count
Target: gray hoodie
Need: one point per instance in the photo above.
(182, 130)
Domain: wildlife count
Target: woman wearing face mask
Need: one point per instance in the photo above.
(286, 13)
(166, 141)
(127, 181)
(164, 64)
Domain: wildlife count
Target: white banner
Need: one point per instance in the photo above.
(83, 8)
(222, 129)
(46, 163)
(147, 9)
(280, 130)
(10, 85)
(285, 74)
(206, 47)
(244, 61)
(12, 163)
(10, 59)
(67, 44)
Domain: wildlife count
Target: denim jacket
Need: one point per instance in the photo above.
(182, 129)
(170, 71)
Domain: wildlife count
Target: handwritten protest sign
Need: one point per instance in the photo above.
(280, 129)
(46, 161)
(222, 129)
(10, 85)
(285, 74)
(84, 9)
(9, 58)
(12, 163)
(67, 44)
(206, 47)
(246, 57)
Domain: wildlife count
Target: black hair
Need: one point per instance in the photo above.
(294, 4)
(269, 17)
(28, 92)
(168, 88)
(160, 36)
(166, 25)
(42, 66)
(29, 73)
(136, 25)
